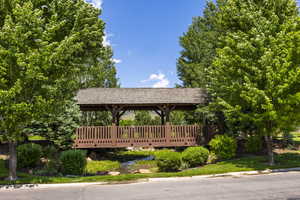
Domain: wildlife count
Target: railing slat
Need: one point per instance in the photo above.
(122, 136)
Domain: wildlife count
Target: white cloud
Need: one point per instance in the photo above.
(106, 41)
(160, 79)
(117, 61)
(96, 3)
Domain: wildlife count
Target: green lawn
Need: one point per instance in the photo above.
(35, 137)
(104, 165)
(286, 160)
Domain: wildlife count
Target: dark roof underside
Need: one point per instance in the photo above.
(139, 98)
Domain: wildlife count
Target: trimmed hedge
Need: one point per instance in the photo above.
(195, 156)
(168, 161)
(223, 146)
(28, 155)
(73, 162)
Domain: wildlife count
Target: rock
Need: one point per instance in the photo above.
(88, 159)
(30, 171)
(114, 173)
(144, 171)
(101, 173)
(44, 160)
(71, 176)
(93, 155)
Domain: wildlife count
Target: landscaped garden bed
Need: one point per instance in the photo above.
(99, 170)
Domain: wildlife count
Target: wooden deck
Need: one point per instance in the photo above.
(137, 136)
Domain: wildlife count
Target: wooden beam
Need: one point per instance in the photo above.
(158, 113)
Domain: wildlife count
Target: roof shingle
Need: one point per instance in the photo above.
(140, 96)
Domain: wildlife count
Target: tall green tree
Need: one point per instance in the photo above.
(199, 45)
(255, 76)
(102, 74)
(45, 45)
(58, 128)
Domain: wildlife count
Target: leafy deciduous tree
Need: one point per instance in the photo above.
(255, 76)
(44, 47)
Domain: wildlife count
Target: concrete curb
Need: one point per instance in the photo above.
(230, 174)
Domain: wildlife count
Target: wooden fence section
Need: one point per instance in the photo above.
(137, 136)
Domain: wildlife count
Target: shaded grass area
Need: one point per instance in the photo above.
(249, 163)
(145, 164)
(124, 156)
(104, 165)
(3, 170)
(296, 136)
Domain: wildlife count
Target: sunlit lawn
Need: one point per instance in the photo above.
(99, 166)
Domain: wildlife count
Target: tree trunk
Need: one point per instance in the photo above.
(12, 161)
(269, 142)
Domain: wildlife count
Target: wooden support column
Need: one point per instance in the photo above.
(116, 113)
(165, 113)
(162, 116)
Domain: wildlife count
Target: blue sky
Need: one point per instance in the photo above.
(144, 35)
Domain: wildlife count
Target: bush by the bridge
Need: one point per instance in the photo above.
(73, 162)
(223, 146)
(168, 161)
(28, 155)
(195, 156)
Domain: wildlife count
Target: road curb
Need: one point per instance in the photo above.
(230, 174)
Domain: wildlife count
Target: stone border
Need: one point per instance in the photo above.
(230, 174)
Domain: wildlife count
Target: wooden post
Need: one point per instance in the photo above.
(118, 118)
(167, 112)
(114, 116)
(162, 117)
(114, 134)
(168, 133)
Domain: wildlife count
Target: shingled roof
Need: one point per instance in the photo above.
(140, 96)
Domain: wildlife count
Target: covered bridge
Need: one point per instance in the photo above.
(119, 100)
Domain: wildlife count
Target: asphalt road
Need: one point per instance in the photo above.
(264, 187)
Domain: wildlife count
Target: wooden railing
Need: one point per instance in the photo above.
(137, 136)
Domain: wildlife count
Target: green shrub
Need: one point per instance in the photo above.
(168, 161)
(253, 144)
(73, 162)
(223, 146)
(28, 155)
(50, 152)
(51, 168)
(195, 156)
(212, 158)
